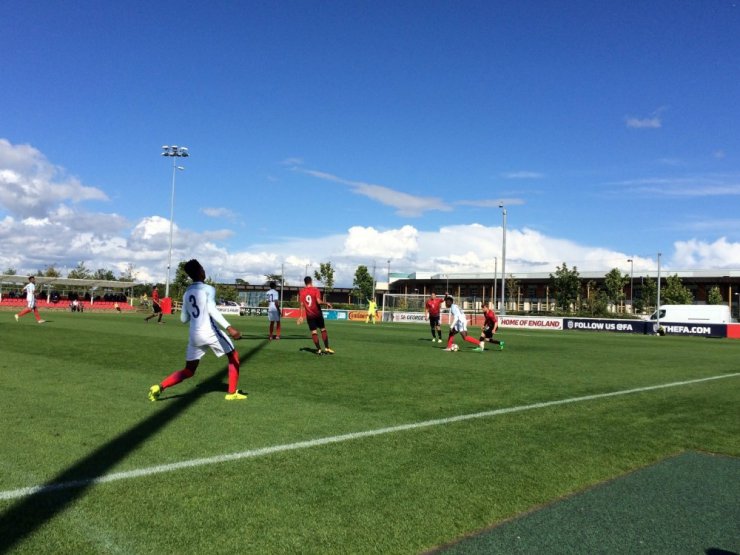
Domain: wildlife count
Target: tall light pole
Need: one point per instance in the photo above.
(495, 282)
(632, 273)
(389, 276)
(657, 308)
(175, 152)
(503, 262)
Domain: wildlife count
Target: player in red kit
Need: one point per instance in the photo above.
(311, 301)
(156, 307)
(431, 312)
(490, 327)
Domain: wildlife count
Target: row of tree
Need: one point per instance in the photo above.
(83, 272)
(568, 292)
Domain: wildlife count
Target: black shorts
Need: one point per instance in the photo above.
(487, 332)
(434, 321)
(316, 322)
(156, 308)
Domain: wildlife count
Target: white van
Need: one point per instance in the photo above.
(693, 313)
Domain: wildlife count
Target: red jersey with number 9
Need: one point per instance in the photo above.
(310, 297)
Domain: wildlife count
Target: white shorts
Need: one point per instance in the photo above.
(218, 342)
(273, 314)
(31, 303)
(459, 326)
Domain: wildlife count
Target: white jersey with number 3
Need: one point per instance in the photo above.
(199, 308)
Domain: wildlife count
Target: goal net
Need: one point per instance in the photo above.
(398, 307)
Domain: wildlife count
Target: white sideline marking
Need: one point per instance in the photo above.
(254, 453)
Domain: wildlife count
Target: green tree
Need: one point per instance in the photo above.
(223, 292)
(129, 274)
(615, 282)
(277, 278)
(676, 292)
(363, 284)
(50, 271)
(566, 287)
(512, 292)
(181, 281)
(10, 272)
(649, 292)
(79, 272)
(597, 301)
(715, 296)
(325, 274)
(104, 274)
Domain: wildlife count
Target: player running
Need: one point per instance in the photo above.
(311, 301)
(431, 313)
(199, 308)
(459, 325)
(490, 327)
(156, 306)
(30, 289)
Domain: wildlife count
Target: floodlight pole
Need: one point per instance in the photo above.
(503, 261)
(632, 273)
(495, 281)
(175, 152)
(657, 308)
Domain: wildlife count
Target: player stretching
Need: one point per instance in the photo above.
(273, 311)
(311, 302)
(490, 327)
(459, 325)
(30, 290)
(199, 308)
(431, 312)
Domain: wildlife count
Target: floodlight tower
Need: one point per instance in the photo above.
(503, 261)
(175, 152)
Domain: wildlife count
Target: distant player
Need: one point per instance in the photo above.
(273, 311)
(431, 312)
(199, 308)
(30, 289)
(311, 301)
(459, 325)
(156, 307)
(372, 310)
(490, 327)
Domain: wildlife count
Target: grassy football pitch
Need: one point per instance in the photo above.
(389, 446)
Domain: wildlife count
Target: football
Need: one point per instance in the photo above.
(454, 347)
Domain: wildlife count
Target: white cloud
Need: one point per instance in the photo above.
(30, 185)
(654, 121)
(405, 204)
(701, 254)
(523, 175)
(644, 123)
(220, 213)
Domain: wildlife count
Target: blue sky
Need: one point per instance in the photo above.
(361, 132)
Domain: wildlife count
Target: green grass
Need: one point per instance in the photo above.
(74, 406)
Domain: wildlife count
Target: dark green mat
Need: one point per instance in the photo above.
(686, 504)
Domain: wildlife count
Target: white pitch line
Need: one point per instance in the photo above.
(255, 453)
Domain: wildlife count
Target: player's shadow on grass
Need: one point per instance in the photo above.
(35, 509)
